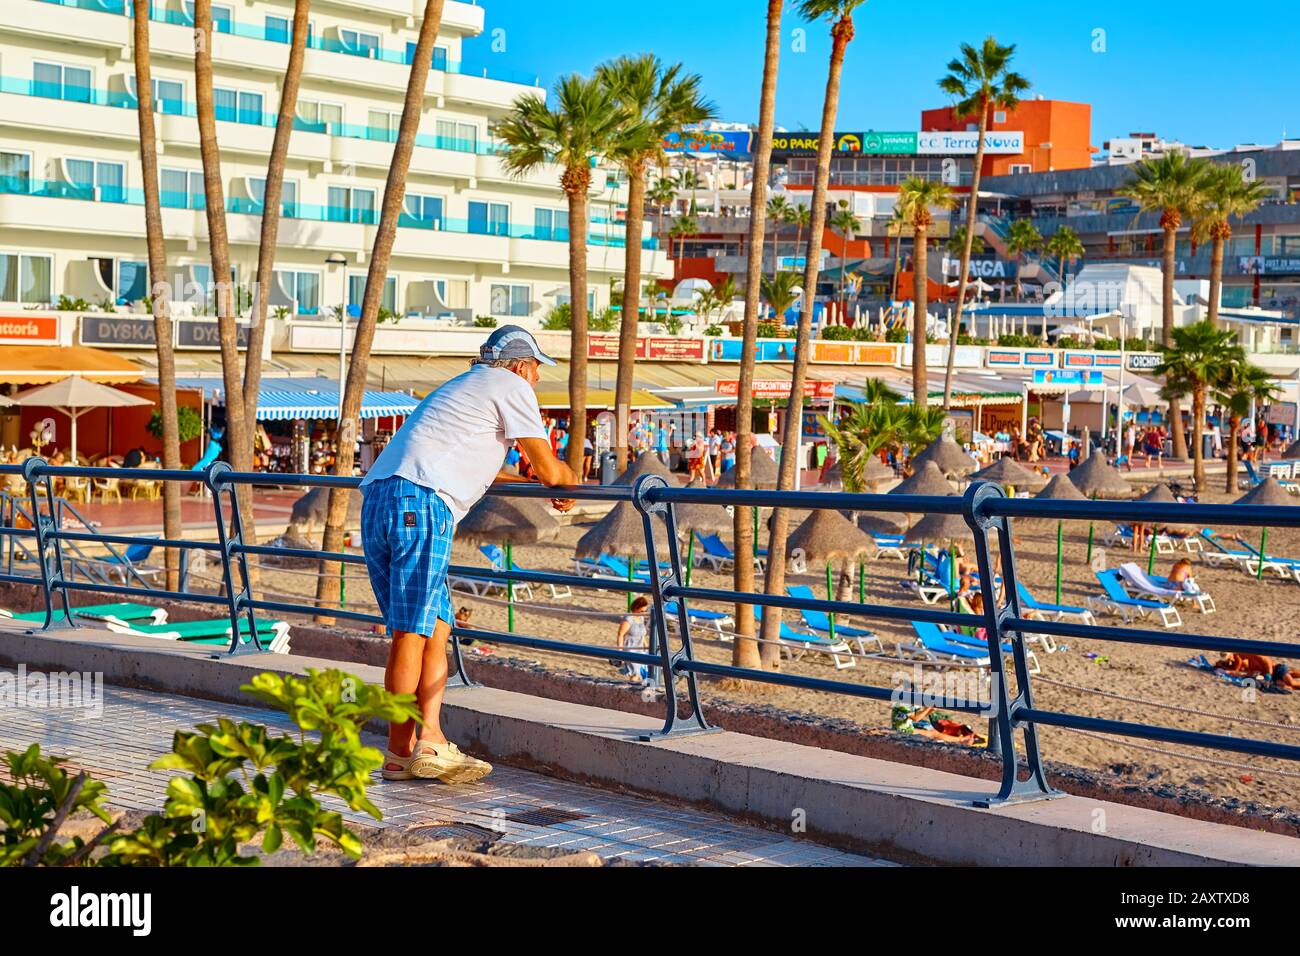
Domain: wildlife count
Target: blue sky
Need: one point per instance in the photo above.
(1205, 73)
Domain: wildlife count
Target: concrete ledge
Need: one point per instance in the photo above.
(894, 810)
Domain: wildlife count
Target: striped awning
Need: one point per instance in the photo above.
(288, 399)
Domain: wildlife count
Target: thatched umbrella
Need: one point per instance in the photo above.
(762, 472)
(926, 480)
(947, 454)
(508, 521)
(1007, 471)
(647, 463)
(1267, 492)
(706, 519)
(882, 522)
(1097, 479)
(620, 532)
(936, 528)
(1060, 488)
(827, 534)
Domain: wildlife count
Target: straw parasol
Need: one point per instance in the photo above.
(927, 480)
(1160, 494)
(1060, 488)
(936, 529)
(882, 522)
(497, 520)
(826, 534)
(647, 463)
(620, 532)
(762, 472)
(1267, 492)
(1096, 479)
(874, 472)
(947, 454)
(1007, 471)
(706, 519)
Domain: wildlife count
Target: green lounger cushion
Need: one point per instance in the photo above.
(121, 611)
(190, 630)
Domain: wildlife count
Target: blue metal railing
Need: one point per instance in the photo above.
(985, 509)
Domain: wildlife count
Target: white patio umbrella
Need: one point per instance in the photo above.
(74, 396)
(1142, 395)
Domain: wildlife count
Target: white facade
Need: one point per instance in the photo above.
(473, 242)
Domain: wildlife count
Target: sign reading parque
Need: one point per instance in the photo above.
(874, 143)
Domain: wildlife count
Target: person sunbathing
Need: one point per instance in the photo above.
(1246, 665)
(1180, 576)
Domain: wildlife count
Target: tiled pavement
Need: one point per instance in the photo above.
(136, 727)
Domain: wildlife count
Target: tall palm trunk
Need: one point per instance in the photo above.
(636, 174)
(920, 296)
(1218, 238)
(1198, 426)
(576, 182)
(1169, 221)
(774, 578)
(744, 650)
(327, 587)
(159, 290)
(238, 429)
(971, 210)
(898, 264)
(1234, 430)
(271, 208)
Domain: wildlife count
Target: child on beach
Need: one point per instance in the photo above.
(634, 635)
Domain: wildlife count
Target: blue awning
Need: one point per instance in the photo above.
(287, 399)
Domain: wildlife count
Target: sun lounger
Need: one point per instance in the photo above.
(1218, 554)
(1122, 534)
(959, 637)
(1118, 601)
(718, 555)
(496, 554)
(798, 644)
(1138, 579)
(888, 546)
(607, 566)
(274, 635)
(935, 644)
(1281, 473)
(819, 622)
(120, 611)
(714, 620)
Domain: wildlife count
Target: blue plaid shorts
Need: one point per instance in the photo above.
(406, 531)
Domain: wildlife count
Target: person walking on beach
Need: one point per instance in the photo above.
(440, 462)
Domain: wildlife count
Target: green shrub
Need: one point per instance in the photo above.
(768, 330)
(897, 334)
(559, 318)
(714, 330)
(1014, 340)
(606, 320)
(189, 424)
(673, 324)
(837, 333)
(484, 322)
(72, 305)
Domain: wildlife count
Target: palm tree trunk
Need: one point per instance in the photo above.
(239, 431)
(1234, 429)
(271, 209)
(1198, 426)
(774, 578)
(965, 256)
(1168, 266)
(1216, 277)
(745, 650)
(327, 587)
(898, 264)
(636, 173)
(920, 386)
(578, 298)
(159, 290)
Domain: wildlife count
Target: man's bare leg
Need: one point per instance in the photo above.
(433, 683)
(418, 665)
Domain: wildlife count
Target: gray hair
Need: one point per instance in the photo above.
(513, 364)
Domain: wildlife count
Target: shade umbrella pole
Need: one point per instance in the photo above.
(830, 596)
(510, 593)
(862, 582)
(690, 556)
(631, 572)
(1151, 555)
(1263, 539)
(1059, 535)
(1058, 524)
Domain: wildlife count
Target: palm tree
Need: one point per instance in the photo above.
(799, 216)
(916, 197)
(1225, 195)
(1243, 388)
(744, 649)
(956, 243)
(682, 227)
(840, 15)
(979, 80)
(271, 210)
(660, 101)
(1171, 185)
(1023, 237)
(588, 123)
(1065, 246)
(239, 438)
(897, 223)
(778, 209)
(1201, 357)
(781, 291)
(846, 224)
(327, 588)
(663, 194)
(160, 299)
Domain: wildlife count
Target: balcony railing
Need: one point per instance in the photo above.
(276, 34)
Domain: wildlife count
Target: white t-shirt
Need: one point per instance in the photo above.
(456, 440)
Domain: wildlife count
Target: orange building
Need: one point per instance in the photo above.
(1057, 134)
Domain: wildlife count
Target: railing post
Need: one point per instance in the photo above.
(48, 550)
(230, 541)
(659, 584)
(1005, 708)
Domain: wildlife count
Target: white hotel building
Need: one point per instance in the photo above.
(472, 242)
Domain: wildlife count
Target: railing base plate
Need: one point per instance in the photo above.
(676, 732)
(1025, 796)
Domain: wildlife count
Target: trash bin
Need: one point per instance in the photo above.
(1207, 446)
(608, 470)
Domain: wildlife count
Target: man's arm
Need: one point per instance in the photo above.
(550, 470)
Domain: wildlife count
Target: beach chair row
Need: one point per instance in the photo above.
(143, 620)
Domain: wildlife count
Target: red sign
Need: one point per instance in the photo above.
(29, 328)
(775, 388)
(648, 349)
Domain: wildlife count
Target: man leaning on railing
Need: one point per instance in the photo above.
(440, 462)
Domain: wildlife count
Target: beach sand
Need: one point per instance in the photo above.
(1144, 682)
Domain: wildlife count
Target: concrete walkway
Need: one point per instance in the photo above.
(524, 807)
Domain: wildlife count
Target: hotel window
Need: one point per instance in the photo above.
(563, 298)
(454, 293)
(422, 211)
(999, 116)
(238, 106)
(382, 125)
(357, 292)
(280, 30)
(439, 56)
(349, 204)
(299, 292)
(223, 17)
(26, 278)
(182, 189)
(132, 281)
(489, 218)
(104, 182)
(511, 300)
(462, 137)
(360, 43)
(320, 117)
(60, 82)
(15, 173)
(168, 95)
(551, 224)
(288, 195)
(1017, 168)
